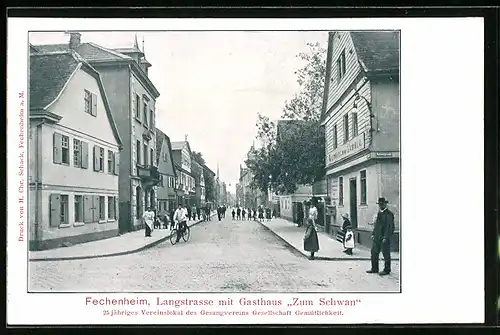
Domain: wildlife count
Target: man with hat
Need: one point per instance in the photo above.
(381, 236)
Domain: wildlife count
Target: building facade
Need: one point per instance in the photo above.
(167, 198)
(74, 153)
(199, 179)
(361, 118)
(185, 184)
(132, 98)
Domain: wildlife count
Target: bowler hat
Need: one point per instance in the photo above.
(382, 201)
(345, 215)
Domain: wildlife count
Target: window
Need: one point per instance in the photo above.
(102, 211)
(136, 105)
(346, 128)
(165, 157)
(341, 68)
(110, 162)
(145, 113)
(335, 136)
(78, 208)
(101, 159)
(151, 118)
(61, 149)
(90, 101)
(363, 187)
(341, 191)
(151, 156)
(111, 207)
(77, 153)
(354, 124)
(145, 154)
(138, 152)
(64, 209)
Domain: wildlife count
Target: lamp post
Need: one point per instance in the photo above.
(370, 110)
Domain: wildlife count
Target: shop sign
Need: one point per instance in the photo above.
(352, 147)
(383, 154)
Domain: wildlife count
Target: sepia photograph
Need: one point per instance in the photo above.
(214, 161)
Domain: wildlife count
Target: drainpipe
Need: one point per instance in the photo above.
(38, 206)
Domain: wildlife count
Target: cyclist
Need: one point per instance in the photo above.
(180, 218)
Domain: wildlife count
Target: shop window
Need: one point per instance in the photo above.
(78, 208)
(341, 191)
(102, 212)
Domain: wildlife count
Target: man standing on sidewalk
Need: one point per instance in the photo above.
(381, 236)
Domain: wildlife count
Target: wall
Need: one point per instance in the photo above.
(342, 41)
(286, 211)
(390, 175)
(166, 169)
(385, 102)
(336, 117)
(116, 83)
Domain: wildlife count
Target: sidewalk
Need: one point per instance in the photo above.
(329, 248)
(114, 246)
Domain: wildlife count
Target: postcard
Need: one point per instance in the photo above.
(244, 171)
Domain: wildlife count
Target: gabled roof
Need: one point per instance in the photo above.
(161, 138)
(33, 49)
(132, 50)
(50, 73)
(179, 145)
(377, 50)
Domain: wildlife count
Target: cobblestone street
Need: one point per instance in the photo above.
(224, 256)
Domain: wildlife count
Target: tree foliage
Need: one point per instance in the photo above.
(295, 153)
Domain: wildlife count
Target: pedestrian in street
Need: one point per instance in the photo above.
(243, 213)
(311, 242)
(198, 212)
(172, 221)
(189, 213)
(381, 238)
(274, 213)
(180, 217)
(268, 214)
(193, 213)
(233, 213)
(300, 216)
(261, 214)
(254, 213)
(219, 212)
(148, 218)
(238, 213)
(224, 211)
(348, 239)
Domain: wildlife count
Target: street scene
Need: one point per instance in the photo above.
(214, 161)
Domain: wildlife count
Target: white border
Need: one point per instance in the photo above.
(442, 149)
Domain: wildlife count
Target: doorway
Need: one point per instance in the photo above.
(353, 203)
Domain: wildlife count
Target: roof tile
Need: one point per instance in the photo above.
(48, 75)
(378, 50)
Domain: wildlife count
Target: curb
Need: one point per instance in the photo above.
(122, 253)
(320, 258)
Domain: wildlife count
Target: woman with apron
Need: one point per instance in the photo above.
(311, 242)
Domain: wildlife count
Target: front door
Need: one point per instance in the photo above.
(353, 202)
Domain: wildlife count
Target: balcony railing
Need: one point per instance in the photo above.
(149, 174)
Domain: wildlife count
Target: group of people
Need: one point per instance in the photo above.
(383, 230)
(260, 213)
(221, 212)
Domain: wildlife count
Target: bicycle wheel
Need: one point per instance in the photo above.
(173, 236)
(187, 234)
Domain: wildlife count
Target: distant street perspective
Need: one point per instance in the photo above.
(225, 256)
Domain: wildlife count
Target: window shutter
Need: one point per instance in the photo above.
(95, 208)
(117, 208)
(134, 104)
(116, 158)
(87, 209)
(55, 210)
(85, 154)
(94, 105)
(57, 143)
(96, 158)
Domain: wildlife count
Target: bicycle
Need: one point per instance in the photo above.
(186, 234)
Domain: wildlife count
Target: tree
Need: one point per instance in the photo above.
(198, 157)
(298, 155)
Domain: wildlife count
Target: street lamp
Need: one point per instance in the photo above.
(369, 106)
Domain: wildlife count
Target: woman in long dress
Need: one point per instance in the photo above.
(148, 218)
(311, 242)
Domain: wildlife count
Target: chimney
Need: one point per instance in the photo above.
(185, 138)
(74, 40)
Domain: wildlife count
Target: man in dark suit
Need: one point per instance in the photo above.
(381, 236)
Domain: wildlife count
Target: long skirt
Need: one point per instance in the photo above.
(311, 243)
(148, 230)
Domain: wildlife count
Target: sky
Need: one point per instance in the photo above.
(213, 84)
